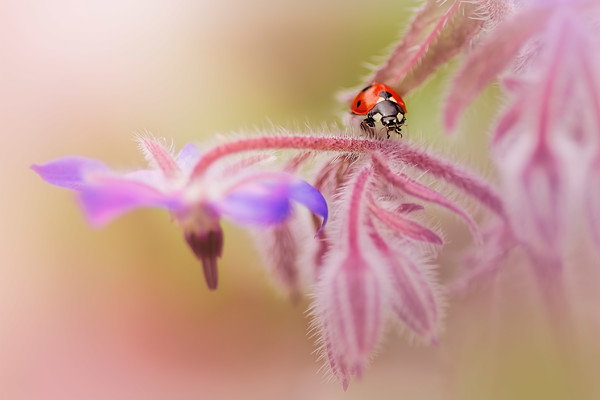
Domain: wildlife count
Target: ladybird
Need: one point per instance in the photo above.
(379, 102)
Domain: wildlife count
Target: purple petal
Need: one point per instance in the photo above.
(257, 205)
(188, 156)
(307, 195)
(109, 198)
(69, 172)
(268, 202)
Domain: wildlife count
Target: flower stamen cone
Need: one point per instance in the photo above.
(208, 247)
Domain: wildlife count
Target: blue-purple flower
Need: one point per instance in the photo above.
(241, 192)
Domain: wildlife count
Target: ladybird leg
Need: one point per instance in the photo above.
(369, 121)
(367, 125)
(403, 120)
(399, 131)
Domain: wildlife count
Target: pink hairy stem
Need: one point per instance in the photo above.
(590, 76)
(336, 173)
(402, 151)
(162, 157)
(414, 188)
(549, 86)
(378, 241)
(356, 206)
(343, 144)
(508, 121)
(403, 226)
(245, 163)
(425, 45)
(471, 184)
(295, 163)
(454, 37)
(410, 39)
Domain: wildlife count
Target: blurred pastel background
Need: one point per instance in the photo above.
(123, 312)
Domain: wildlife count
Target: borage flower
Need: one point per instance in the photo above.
(545, 143)
(254, 198)
(370, 267)
(375, 271)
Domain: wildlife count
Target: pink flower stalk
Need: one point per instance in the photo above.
(377, 208)
(369, 267)
(370, 264)
(372, 270)
(248, 197)
(438, 31)
(376, 264)
(546, 143)
(350, 293)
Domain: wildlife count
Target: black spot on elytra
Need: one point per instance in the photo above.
(367, 88)
(358, 103)
(385, 94)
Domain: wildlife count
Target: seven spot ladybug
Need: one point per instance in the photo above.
(379, 102)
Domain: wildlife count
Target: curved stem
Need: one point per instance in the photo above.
(395, 151)
(323, 143)
(466, 181)
(413, 188)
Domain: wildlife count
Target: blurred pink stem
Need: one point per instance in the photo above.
(425, 45)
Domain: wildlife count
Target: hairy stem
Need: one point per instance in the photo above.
(466, 181)
(419, 23)
(322, 143)
(425, 45)
(415, 189)
(395, 150)
(356, 206)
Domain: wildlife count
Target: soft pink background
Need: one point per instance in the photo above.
(123, 312)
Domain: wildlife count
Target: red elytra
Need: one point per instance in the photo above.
(367, 98)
